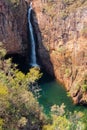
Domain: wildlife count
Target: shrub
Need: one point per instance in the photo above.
(18, 105)
(84, 32)
(63, 14)
(62, 122)
(68, 2)
(67, 72)
(84, 87)
(1, 123)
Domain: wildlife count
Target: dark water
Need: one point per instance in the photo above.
(54, 93)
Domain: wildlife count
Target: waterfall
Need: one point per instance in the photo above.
(33, 61)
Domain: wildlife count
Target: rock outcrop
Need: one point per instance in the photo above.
(63, 28)
(13, 26)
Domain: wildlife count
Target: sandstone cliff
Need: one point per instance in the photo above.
(63, 27)
(13, 26)
(61, 34)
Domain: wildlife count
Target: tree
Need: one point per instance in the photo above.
(61, 121)
(18, 105)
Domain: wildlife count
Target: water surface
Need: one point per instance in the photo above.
(54, 93)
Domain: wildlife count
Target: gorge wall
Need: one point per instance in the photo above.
(14, 32)
(63, 28)
(13, 26)
(61, 34)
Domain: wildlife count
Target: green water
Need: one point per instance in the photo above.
(53, 93)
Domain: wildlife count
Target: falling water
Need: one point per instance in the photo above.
(32, 40)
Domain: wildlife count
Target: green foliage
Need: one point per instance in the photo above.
(18, 105)
(2, 51)
(68, 6)
(13, 4)
(67, 72)
(68, 2)
(34, 74)
(13, 1)
(61, 121)
(22, 122)
(84, 83)
(1, 124)
(56, 110)
(84, 32)
(49, 10)
(61, 49)
(63, 14)
(84, 87)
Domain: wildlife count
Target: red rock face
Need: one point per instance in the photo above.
(8, 29)
(13, 27)
(64, 37)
